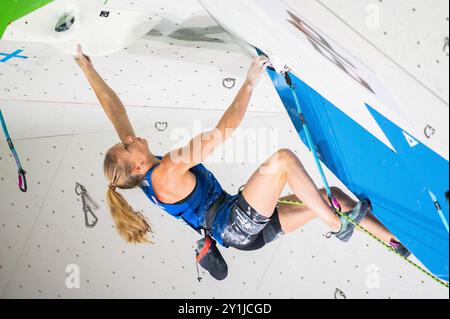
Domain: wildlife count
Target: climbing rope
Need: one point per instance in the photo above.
(22, 179)
(333, 201)
(443, 283)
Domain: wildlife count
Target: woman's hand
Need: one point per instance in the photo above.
(83, 60)
(257, 68)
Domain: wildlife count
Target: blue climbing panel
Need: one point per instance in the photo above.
(397, 183)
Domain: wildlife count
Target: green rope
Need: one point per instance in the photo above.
(415, 265)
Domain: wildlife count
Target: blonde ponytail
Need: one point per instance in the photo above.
(131, 225)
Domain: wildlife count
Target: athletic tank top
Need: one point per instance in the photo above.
(193, 208)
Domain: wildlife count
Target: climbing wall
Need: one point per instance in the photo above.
(412, 43)
(176, 80)
(406, 44)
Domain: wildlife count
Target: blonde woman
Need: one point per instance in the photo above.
(179, 184)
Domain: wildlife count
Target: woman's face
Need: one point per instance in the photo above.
(135, 152)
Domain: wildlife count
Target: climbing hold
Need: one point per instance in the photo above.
(429, 131)
(229, 83)
(161, 126)
(65, 23)
(446, 49)
(339, 294)
(104, 14)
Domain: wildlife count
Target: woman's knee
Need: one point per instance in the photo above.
(281, 162)
(287, 158)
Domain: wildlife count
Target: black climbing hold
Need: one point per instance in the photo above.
(104, 14)
(65, 23)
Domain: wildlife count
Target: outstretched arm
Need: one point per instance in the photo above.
(109, 100)
(204, 145)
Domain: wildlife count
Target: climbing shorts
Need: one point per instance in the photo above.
(247, 229)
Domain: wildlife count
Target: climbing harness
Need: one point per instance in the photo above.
(81, 191)
(207, 254)
(334, 202)
(22, 179)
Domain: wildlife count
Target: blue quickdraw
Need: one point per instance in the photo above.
(22, 178)
(333, 201)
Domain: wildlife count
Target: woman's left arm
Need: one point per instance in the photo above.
(109, 100)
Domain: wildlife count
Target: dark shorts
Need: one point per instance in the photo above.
(248, 230)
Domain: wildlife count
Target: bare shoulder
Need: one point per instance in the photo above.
(170, 172)
(173, 165)
(171, 182)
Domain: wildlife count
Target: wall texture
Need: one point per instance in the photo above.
(174, 75)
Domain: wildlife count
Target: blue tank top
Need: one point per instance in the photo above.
(193, 209)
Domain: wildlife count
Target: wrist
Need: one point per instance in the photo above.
(88, 69)
(248, 86)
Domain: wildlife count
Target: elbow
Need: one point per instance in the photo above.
(227, 125)
(222, 133)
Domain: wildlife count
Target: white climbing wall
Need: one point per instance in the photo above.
(411, 41)
(174, 75)
(405, 43)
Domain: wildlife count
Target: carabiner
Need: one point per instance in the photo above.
(81, 191)
(87, 210)
(335, 204)
(23, 186)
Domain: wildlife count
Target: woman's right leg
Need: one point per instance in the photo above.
(294, 217)
(264, 188)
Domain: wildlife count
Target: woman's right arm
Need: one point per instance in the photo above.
(202, 146)
(109, 100)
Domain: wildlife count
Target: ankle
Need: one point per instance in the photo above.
(335, 225)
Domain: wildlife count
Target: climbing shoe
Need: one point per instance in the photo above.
(356, 215)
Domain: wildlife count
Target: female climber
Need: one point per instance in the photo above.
(179, 184)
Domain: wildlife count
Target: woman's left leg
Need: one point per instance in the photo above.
(294, 217)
